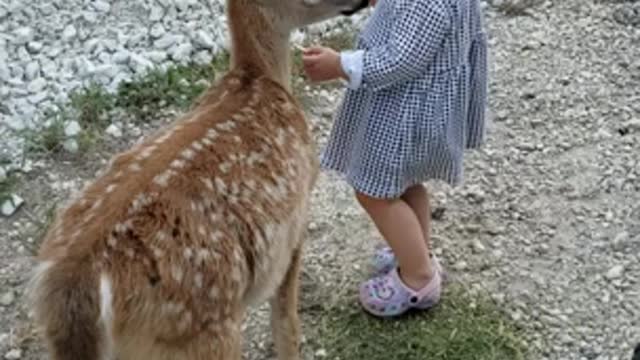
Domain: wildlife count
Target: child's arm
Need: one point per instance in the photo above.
(415, 38)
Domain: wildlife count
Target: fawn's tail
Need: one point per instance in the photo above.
(65, 297)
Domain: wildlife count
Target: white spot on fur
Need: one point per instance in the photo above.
(187, 253)
(135, 167)
(224, 167)
(112, 242)
(111, 188)
(208, 183)
(221, 186)
(158, 253)
(197, 280)
(216, 235)
(146, 152)
(178, 164)
(177, 274)
(161, 236)
(202, 230)
(226, 126)
(122, 227)
(188, 154)
(163, 179)
(202, 256)
(212, 134)
(207, 142)
(197, 146)
(214, 292)
(96, 205)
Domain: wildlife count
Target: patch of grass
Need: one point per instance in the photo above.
(49, 139)
(7, 186)
(177, 87)
(92, 104)
(462, 327)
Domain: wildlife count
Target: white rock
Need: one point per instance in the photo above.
(23, 35)
(34, 47)
(615, 272)
(71, 145)
(203, 39)
(14, 354)
(72, 129)
(156, 13)
(157, 31)
(114, 130)
(121, 57)
(32, 70)
(10, 206)
(182, 52)
(69, 33)
(7, 299)
(37, 85)
(139, 64)
(5, 73)
(102, 6)
(167, 41)
(157, 56)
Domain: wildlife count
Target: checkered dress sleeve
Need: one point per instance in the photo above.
(415, 38)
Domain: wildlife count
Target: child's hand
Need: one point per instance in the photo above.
(322, 64)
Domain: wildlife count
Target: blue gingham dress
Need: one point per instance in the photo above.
(416, 97)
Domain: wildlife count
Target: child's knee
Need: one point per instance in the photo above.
(369, 202)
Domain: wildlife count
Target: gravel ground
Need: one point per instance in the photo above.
(548, 220)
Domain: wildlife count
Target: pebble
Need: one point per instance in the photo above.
(72, 128)
(71, 145)
(14, 354)
(23, 35)
(114, 130)
(69, 33)
(11, 206)
(615, 272)
(7, 298)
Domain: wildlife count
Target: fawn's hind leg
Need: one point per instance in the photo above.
(285, 323)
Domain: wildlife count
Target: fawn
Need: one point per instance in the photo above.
(160, 256)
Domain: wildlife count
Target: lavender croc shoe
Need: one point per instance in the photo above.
(384, 260)
(388, 296)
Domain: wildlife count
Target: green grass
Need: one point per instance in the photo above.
(462, 327)
(7, 187)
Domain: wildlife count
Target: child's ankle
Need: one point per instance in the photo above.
(418, 280)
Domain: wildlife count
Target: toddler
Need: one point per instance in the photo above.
(415, 101)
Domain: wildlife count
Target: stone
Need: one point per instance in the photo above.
(102, 6)
(72, 128)
(11, 205)
(204, 40)
(13, 354)
(114, 130)
(37, 85)
(71, 145)
(34, 47)
(69, 33)
(615, 272)
(32, 70)
(7, 299)
(182, 53)
(23, 35)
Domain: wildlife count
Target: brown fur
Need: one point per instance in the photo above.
(159, 256)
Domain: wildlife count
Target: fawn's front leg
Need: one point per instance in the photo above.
(285, 323)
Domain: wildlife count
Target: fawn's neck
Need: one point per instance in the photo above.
(258, 42)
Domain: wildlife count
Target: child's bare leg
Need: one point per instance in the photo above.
(417, 198)
(400, 227)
